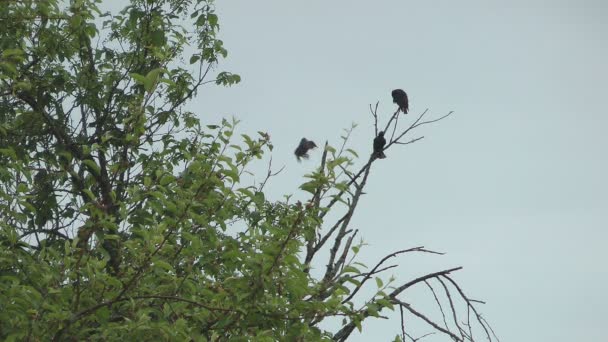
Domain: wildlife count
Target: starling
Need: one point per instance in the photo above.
(302, 149)
(379, 143)
(400, 98)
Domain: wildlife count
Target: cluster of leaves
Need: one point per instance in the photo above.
(124, 217)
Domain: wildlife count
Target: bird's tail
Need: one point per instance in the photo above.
(380, 155)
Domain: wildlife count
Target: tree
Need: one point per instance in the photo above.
(125, 217)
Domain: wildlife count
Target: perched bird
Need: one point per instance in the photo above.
(302, 149)
(379, 143)
(400, 98)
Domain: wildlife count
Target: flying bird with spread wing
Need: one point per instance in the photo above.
(379, 143)
(400, 98)
(303, 148)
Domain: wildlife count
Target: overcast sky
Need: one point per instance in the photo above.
(512, 186)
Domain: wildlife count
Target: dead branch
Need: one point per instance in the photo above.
(407, 285)
(470, 306)
(454, 316)
(373, 271)
(445, 323)
(339, 230)
(417, 123)
(436, 326)
(375, 114)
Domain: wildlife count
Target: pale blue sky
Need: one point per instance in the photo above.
(513, 186)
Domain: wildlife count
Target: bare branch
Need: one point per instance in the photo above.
(403, 287)
(470, 305)
(454, 316)
(375, 114)
(445, 323)
(426, 319)
(417, 123)
(402, 323)
(373, 271)
(409, 142)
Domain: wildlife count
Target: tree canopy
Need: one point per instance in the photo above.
(125, 216)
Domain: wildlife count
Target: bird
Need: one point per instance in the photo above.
(379, 142)
(302, 149)
(400, 98)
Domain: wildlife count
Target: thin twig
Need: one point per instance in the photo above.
(454, 316)
(426, 319)
(405, 286)
(270, 174)
(375, 114)
(445, 323)
(477, 315)
(402, 323)
(373, 271)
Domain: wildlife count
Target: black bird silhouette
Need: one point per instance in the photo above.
(379, 143)
(400, 98)
(302, 149)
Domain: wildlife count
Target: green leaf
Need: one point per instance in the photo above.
(12, 53)
(66, 155)
(163, 265)
(358, 325)
(93, 167)
(9, 152)
(22, 187)
(166, 179)
(246, 192)
(28, 206)
(351, 269)
(335, 162)
(232, 174)
(310, 187)
(167, 81)
(372, 309)
(89, 194)
(194, 59)
(151, 79)
(227, 78)
(379, 282)
(9, 67)
(22, 85)
(90, 30)
(351, 151)
(158, 38)
(212, 19)
(385, 303)
(139, 79)
(171, 208)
